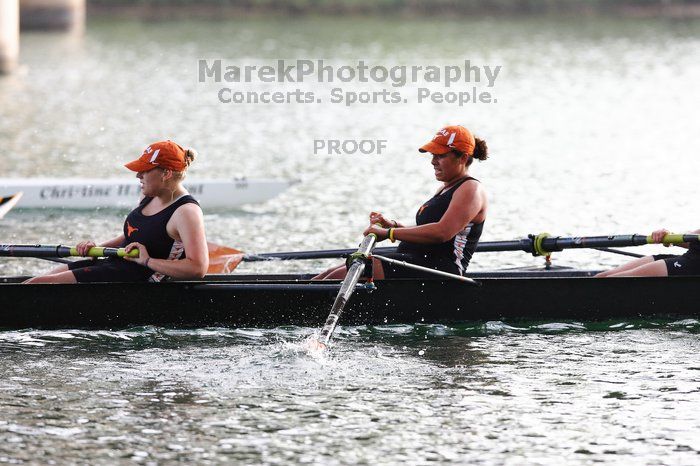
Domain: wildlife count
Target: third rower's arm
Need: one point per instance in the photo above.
(465, 205)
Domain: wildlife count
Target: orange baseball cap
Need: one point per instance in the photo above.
(451, 138)
(163, 154)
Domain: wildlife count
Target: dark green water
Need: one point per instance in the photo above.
(538, 393)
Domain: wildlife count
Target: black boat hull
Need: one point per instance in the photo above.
(269, 302)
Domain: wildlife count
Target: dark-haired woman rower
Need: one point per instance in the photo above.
(661, 265)
(167, 228)
(448, 225)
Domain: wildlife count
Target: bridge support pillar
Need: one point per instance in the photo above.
(62, 15)
(9, 35)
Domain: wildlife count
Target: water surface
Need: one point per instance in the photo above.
(537, 393)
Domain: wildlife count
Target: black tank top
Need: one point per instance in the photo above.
(458, 250)
(151, 231)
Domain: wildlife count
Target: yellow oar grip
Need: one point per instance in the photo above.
(100, 252)
(96, 252)
(133, 253)
(671, 238)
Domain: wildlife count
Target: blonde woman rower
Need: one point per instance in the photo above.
(167, 228)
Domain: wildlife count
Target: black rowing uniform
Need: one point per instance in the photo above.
(149, 230)
(686, 264)
(452, 256)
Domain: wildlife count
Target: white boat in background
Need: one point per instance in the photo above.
(88, 193)
(8, 202)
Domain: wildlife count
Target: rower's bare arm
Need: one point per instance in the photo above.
(467, 202)
(425, 234)
(188, 222)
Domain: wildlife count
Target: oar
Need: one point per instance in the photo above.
(356, 265)
(320, 254)
(8, 202)
(222, 259)
(39, 251)
(544, 244)
(620, 252)
(535, 244)
(420, 268)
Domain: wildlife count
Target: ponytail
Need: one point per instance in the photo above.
(481, 150)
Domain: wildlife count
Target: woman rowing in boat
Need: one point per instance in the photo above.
(661, 265)
(167, 223)
(448, 225)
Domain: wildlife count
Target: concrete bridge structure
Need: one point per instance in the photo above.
(47, 15)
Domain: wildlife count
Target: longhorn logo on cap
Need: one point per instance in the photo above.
(154, 157)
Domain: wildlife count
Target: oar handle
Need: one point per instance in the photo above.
(544, 244)
(38, 250)
(675, 238)
(107, 252)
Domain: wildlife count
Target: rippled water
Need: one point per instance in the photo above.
(595, 132)
(620, 392)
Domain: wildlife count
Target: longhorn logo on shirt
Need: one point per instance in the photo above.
(130, 229)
